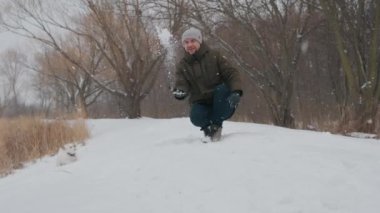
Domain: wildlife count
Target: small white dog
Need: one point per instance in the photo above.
(67, 154)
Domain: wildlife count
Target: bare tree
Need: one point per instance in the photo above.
(133, 52)
(12, 70)
(45, 94)
(2, 106)
(128, 44)
(172, 14)
(356, 28)
(268, 46)
(80, 90)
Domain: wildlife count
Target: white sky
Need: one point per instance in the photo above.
(27, 46)
(11, 40)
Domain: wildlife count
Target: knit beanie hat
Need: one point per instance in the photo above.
(192, 33)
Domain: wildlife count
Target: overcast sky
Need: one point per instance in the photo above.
(10, 40)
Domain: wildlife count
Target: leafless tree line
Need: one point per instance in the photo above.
(303, 62)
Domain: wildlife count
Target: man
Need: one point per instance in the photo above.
(213, 85)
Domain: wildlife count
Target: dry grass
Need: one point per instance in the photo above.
(26, 139)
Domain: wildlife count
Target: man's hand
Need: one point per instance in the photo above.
(234, 99)
(179, 94)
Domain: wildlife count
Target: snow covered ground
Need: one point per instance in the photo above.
(160, 166)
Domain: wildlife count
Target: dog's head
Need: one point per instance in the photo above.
(70, 148)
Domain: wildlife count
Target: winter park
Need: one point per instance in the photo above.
(268, 106)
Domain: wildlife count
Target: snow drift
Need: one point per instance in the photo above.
(160, 165)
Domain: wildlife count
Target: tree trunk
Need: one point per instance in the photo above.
(283, 116)
(361, 117)
(82, 106)
(359, 61)
(134, 109)
(130, 107)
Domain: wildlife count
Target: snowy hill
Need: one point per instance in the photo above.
(160, 166)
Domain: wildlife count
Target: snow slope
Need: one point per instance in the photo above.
(160, 166)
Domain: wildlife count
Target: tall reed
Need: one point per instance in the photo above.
(28, 138)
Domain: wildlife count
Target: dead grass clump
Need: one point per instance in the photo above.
(26, 139)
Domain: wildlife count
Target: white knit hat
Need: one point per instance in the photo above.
(192, 33)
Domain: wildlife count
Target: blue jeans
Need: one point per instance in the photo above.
(203, 115)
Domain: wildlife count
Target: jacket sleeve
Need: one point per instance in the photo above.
(180, 81)
(230, 74)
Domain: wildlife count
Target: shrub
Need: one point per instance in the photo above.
(29, 138)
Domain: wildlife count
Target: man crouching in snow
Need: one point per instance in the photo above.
(213, 84)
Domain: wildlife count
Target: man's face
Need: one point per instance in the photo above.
(191, 45)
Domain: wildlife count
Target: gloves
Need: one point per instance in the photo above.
(234, 99)
(179, 94)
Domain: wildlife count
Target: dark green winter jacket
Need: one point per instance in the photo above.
(200, 73)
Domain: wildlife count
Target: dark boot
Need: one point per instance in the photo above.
(212, 133)
(207, 134)
(216, 133)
